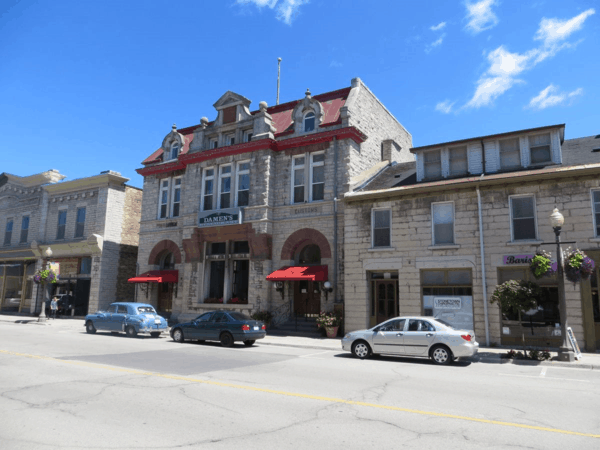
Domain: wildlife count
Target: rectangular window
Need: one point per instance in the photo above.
(522, 210)
(217, 279)
(298, 179)
(458, 161)
(241, 272)
(248, 136)
(445, 282)
(230, 139)
(163, 206)
(510, 156)
(229, 114)
(443, 223)
(209, 186)
(24, 229)
(317, 162)
(381, 226)
(539, 148)
(243, 184)
(62, 223)
(79, 226)
(224, 187)
(214, 143)
(8, 232)
(241, 247)
(432, 163)
(176, 198)
(596, 202)
(85, 266)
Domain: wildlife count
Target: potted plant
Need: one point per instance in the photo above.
(330, 321)
(265, 317)
(541, 264)
(578, 266)
(241, 301)
(517, 297)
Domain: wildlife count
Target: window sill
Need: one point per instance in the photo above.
(443, 247)
(381, 249)
(535, 242)
(596, 239)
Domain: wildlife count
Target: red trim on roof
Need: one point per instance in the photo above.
(325, 136)
(230, 150)
(299, 273)
(161, 168)
(156, 276)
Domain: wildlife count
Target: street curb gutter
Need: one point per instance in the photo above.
(487, 360)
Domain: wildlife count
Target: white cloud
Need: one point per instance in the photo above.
(435, 43)
(551, 97)
(437, 27)
(444, 107)
(287, 10)
(480, 16)
(505, 67)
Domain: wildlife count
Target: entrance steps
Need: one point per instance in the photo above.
(306, 327)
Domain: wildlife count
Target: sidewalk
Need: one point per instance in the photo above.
(590, 361)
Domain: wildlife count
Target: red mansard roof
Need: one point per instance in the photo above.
(282, 119)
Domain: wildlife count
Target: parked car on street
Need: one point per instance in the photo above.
(224, 326)
(130, 318)
(412, 336)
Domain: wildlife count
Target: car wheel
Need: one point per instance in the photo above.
(249, 343)
(361, 350)
(178, 335)
(226, 339)
(89, 327)
(155, 335)
(130, 331)
(441, 355)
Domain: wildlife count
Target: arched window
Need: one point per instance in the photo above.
(167, 262)
(310, 254)
(174, 150)
(309, 121)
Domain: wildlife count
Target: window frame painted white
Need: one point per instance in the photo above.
(241, 172)
(301, 167)
(174, 188)
(161, 189)
(248, 134)
(312, 166)
(305, 117)
(518, 152)
(213, 143)
(466, 160)
(373, 211)
(229, 139)
(433, 238)
(425, 153)
(595, 221)
(510, 210)
(221, 177)
(172, 147)
(529, 140)
(206, 178)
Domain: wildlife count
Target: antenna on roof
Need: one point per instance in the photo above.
(278, 73)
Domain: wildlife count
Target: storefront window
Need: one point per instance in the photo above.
(447, 282)
(85, 267)
(228, 271)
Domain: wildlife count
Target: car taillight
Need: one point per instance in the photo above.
(245, 327)
(264, 327)
(466, 337)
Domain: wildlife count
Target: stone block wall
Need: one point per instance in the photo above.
(94, 215)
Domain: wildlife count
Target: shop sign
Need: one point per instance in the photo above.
(574, 343)
(447, 303)
(523, 260)
(229, 216)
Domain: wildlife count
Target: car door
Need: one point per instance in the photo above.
(218, 321)
(197, 329)
(390, 338)
(103, 318)
(418, 337)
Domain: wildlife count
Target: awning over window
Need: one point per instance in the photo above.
(298, 273)
(156, 276)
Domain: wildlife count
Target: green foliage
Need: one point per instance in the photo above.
(264, 316)
(517, 296)
(541, 264)
(329, 319)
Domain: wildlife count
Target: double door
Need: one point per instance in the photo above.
(307, 298)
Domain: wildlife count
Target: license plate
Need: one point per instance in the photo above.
(157, 321)
(256, 328)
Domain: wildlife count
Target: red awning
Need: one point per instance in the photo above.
(298, 273)
(156, 276)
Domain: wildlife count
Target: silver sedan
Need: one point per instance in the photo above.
(413, 336)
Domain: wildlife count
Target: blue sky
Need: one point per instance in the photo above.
(91, 86)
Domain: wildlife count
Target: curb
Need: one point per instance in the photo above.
(498, 360)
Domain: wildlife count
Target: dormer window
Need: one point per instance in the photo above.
(248, 136)
(458, 161)
(539, 147)
(174, 150)
(432, 163)
(230, 140)
(213, 143)
(510, 156)
(309, 122)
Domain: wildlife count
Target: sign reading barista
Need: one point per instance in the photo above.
(228, 216)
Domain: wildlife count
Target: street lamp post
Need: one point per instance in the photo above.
(42, 317)
(565, 353)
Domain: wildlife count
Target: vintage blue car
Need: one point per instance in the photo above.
(130, 318)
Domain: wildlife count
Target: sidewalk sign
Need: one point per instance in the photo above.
(573, 341)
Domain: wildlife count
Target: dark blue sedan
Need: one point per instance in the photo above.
(226, 327)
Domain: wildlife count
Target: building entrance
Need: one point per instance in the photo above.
(384, 297)
(307, 298)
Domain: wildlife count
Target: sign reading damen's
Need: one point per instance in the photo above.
(229, 216)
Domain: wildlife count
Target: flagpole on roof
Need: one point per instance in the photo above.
(278, 74)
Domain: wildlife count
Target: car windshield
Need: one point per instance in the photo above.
(145, 309)
(446, 324)
(239, 316)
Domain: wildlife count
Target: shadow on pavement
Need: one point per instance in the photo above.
(406, 360)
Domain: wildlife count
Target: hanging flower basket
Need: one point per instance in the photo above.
(45, 276)
(541, 265)
(578, 266)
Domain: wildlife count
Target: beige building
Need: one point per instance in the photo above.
(91, 226)
(253, 194)
(436, 236)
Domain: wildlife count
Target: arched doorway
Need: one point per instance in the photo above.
(307, 295)
(165, 290)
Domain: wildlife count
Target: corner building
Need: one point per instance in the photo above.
(241, 213)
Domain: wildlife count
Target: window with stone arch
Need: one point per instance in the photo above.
(167, 261)
(309, 121)
(310, 254)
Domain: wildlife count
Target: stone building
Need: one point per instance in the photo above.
(91, 226)
(242, 212)
(436, 236)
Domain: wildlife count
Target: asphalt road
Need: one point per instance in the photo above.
(62, 388)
